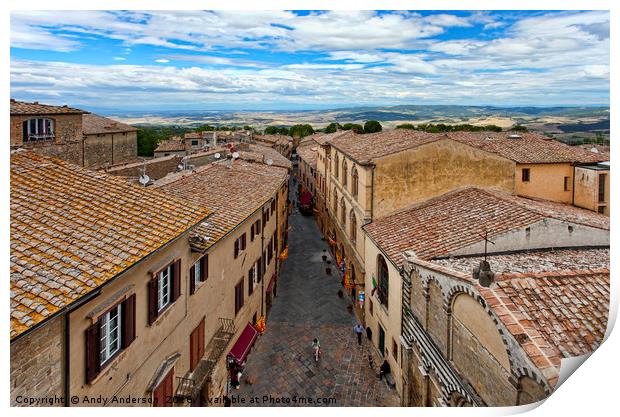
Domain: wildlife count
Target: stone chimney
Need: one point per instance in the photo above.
(214, 139)
(483, 274)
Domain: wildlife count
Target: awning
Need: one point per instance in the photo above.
(243, 344)
(271, 284)
(305, 198)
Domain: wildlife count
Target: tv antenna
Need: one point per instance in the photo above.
(269, 162)
(144, 179)
(486, 240)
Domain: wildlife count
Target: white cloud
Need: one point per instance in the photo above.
(162, 60)
(119, 58)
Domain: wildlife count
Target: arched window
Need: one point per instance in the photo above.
(344, 172)
(354, 182)
(336, 166)
(343, 212)
(353, 227)
(384, 280)
(335, 202)
(38, 129)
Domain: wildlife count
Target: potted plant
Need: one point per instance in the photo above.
(324, 258)
(350, 308)
(340, 294)
(328, 271)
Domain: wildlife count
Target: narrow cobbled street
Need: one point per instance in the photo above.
(281, 366)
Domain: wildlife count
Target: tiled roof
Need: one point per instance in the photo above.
(72, 230)
(273, 139)
(232, 190)
(95, 124)
(456, 219)
(173, 144)
(323, 138)
(553, 315)
(308, 152)
(602, 150)
(367, 147)
(532, 261)
(260, 153)
(22, 107)
(528, 148)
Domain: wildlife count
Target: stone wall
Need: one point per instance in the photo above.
(37, 364)
(433, 169)
(156, 168)
(67, 143)
(110, 149)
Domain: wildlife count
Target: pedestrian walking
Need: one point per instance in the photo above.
(384, 369)
(316, 345)
(359, 330)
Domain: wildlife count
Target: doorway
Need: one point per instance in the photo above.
(381, 340)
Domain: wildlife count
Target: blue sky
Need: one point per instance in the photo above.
(133, 60)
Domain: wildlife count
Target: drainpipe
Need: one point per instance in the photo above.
(263, 261)
(67, 363)
(372, 193)
(573, 191)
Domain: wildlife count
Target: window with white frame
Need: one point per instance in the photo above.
(110, 333)
(197, 272)
(36, 129)
(164, 280)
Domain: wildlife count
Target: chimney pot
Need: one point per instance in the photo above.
(483, 274)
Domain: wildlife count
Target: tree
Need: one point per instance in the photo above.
(354, 127)
(301, 130)
(406, 126)
(205, 128)
(372, 126)
(275, 130)
(332, 127)
(518, 128)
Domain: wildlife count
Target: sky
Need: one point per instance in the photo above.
(295, 60)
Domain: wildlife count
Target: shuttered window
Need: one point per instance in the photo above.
(199, 272)
(197, 344)
(113, 332)
(164, 289)
(238, 296)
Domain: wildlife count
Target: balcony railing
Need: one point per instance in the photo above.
(32, 137)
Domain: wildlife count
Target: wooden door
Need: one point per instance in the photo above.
(162, 396)
(381, 341)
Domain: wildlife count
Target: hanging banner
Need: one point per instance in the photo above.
(331, 241)
(284, 254)
(361, 297)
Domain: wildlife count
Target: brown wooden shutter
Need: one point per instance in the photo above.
(260, 270)
(152, 290)
(201, 339)
(250, 285)
(204, 268)
(236, 248)
(129, 322)
(93, 358)
(176, 285)
(243, 242)
(192, 283)
(252, 233)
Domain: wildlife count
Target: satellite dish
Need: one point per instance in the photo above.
(235, 155)
(180, 166)
(217, 155)
(144, 179)
(269, 162)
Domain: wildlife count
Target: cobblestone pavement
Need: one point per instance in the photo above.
(281, 364)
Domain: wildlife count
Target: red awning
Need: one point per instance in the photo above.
(244, 343)
(305, 198)
(271, 283)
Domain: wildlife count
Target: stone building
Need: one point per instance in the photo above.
(176, 145)
(49, 130)
(307, 152)
(591, 185)
(108, 142)
(99, 273)
(459, 331)
(74, 135)
(242, 239)
(120, 290)
(281, 143)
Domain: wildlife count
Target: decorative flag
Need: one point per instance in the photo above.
(374, 285)
(260, 325)
(284, 254)
(342, 268)
(331, 241)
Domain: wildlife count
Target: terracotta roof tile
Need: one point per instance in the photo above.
(25, 108)
(232, 190)
(526, 148)
(95, 124)
(73, 229)
(567, 312)
(174, 144)
(443, 224)
(260, 153)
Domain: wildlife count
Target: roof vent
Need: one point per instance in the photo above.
(483, 274)
(36, 102)
(514, 136)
